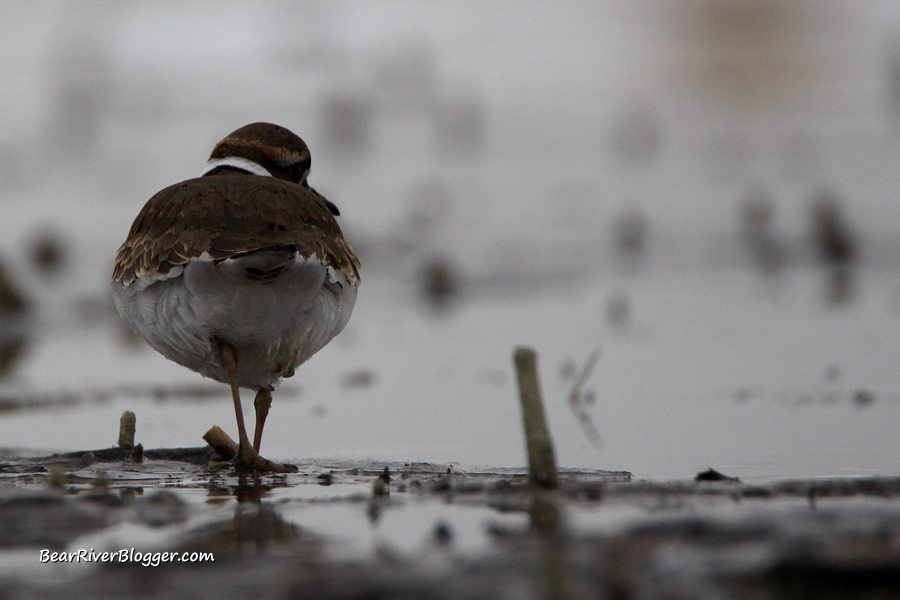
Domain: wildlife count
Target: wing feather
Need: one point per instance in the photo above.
(227, 215)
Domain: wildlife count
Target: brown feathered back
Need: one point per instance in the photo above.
(228, 215)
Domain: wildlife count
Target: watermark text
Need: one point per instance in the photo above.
(125, 555)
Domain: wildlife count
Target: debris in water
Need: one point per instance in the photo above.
(440, 282)
(47, 252)
(137, 455)
(835, 245)
(359, 378)
(221, 443)
(12, 300)
(758, 231)
(618, 310)
(863, 398)
(15, 322)
(833, 239)
(382, 484)
(443, 535)
(127, 427)
(541, 459)
(578, 399)
(630, 234)
(712, 475)
(56, 477)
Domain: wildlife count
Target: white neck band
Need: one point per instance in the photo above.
(237, 162)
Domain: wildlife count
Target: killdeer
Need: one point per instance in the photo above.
(241, 274)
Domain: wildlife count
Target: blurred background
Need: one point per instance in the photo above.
(702, 193)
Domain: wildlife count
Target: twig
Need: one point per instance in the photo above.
(221, 442)
(584, 419)
(541, 460)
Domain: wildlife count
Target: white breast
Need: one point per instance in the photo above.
(274, 322)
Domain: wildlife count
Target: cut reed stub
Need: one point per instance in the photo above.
(221, 443)
(127, 427)
(541, 460)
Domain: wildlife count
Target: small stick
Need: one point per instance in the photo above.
(541, 461)
(590, 429)
(127, 426)
(221, 442)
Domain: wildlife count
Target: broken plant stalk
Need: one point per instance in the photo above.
(541, 460)
(221, 442)
(127, 426)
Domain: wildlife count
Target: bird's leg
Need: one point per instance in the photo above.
(229, 361)
(247, 454)
(262, 403)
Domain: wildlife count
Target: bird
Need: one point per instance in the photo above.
(241, 274)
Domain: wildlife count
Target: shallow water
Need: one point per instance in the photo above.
(754, 377)
(501, 166)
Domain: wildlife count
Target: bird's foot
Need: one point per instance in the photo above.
(250, 460)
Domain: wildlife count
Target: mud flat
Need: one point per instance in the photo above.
(418, 530)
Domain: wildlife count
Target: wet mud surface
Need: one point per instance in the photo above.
(340, 529)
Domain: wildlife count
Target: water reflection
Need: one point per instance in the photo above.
(254, 530)
(544, 514)
(246, 488)
(555, 574)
